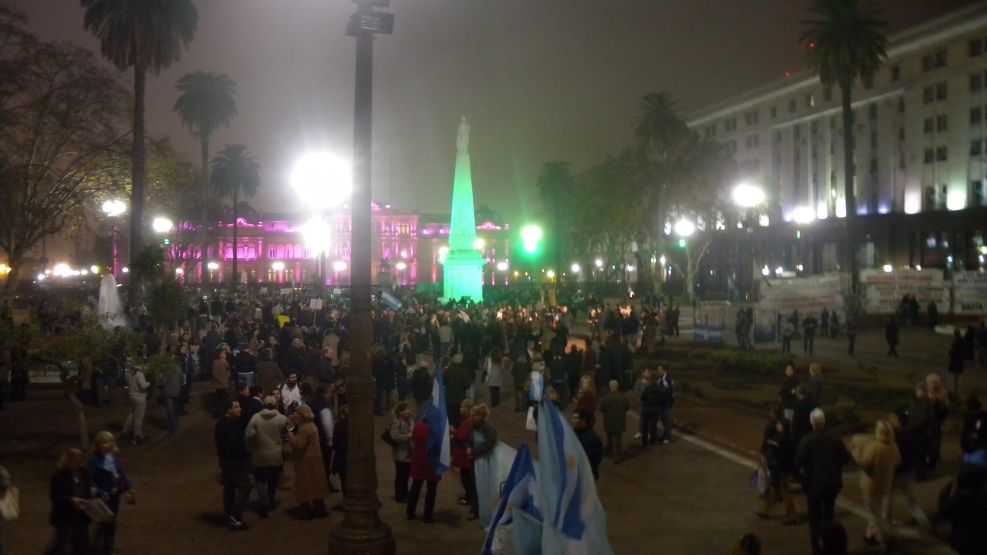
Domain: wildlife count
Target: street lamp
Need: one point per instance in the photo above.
(317, 235)
(575, 268)
(746, 195)
(684, 228)
(361, 530)
(502, 266)
(162, 225)
(113, 209)
(322, 180)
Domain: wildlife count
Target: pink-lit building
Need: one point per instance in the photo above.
(272, 248)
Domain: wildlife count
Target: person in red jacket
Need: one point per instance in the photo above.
(422, 471)
(460, 455)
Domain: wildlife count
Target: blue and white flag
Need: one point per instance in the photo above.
(438, 422)
(575, 523)
(517, 496)
(390, 300)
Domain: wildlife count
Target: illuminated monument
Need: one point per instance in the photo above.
(463, 274)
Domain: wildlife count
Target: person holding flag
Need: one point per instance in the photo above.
(430, 455)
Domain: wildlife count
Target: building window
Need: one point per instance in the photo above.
(872, 111)
(941, 123)
(941, 58)
(941, 154)
(710, 131)
(928, 125)
(976, 47)
(730, 125)
(791, 106)
(928, 95)
(873, 165)
(873, 139)
(901, 134)
(941, 91)
(895, 73)
(828, 94)
(975, 114)
(810, 100)
(976, 82)
(929, 157)
(976, 193)
(750, 118)
(928, 62)
(976, 147)
(774, 112)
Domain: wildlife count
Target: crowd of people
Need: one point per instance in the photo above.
(905, 447)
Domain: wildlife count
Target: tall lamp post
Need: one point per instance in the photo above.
(748, 196)
(113, 209)
(361, 530)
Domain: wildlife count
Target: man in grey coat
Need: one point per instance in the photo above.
(171, 382)
(265, 434)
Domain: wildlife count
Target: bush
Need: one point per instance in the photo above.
(751, 362)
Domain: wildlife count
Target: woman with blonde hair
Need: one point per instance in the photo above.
(401, 429)
(482, 442)
(109, 482)
(70, 491)
(878, 458)
(586, 398)
(311, 486)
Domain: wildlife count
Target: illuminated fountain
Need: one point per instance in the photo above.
(109, 309)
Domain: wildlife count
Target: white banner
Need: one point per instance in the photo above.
(883, 291)
(969, 292)
(808, 295)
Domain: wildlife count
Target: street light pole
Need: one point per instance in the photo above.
(361, 530)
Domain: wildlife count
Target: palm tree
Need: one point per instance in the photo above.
(206, 103)
(661, 135)
(845, 42)
(147, 35)
(235, 171)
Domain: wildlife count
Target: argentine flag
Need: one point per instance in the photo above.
(438, 423)
(517, 497)
(574, 522)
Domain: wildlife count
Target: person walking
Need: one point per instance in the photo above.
(851, 333)
(401, 430)
(787, 332)
(786, 394)
(170, 382)
(493, 375)
(234, 459)
(69, 494)
(877, 458)
(221, 376)
(778, 457)
(311, 486)
(614, 407)
(582, 424)
(821, 457)
(957, 358)
(265, 435)
(891, 332)
(137, 388)
(460, 453)
(421, 390)
(110, 482)
(650, 409)
(666, 399)
(809, 325)
(422, 472)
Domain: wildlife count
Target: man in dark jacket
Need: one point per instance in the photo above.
(233, 462)
(421, 390)
(457, 381)
(650, 410)
(821, 457)
(787, 394)
(891, 336)
(801, 426)
(582, 424)
(666, 398)
(614, 407)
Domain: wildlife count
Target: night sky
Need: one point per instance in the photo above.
(541, 80)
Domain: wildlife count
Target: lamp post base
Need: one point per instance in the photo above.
(373, 541)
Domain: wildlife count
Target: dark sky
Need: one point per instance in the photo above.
(541, 80)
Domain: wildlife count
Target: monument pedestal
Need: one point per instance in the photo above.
(463, 276)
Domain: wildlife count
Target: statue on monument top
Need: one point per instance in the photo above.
(463, 137)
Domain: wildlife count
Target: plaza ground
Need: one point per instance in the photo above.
(688, 497)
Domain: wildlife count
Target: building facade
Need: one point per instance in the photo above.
(293, 249)
(920, 136)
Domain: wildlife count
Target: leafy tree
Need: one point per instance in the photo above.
(555, 185)
(147, 35)
(235, 172)
(205, 105)
(845, 42)
(59, 139)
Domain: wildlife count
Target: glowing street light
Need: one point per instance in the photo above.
(400, 265)
(277, 266)
(550, 274)
(213, 266)
(479, 244)
(317, 235)
(179, 271)
(530, 237)
(684, 228)
(322, 179)
(114, 207)
(502, 266)
(339, 266)
(803, 215)
(746, 195)
(575, 268)
(161, 224)
(598, 262)
(662, 260)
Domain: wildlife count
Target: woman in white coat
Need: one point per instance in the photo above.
(494, 375)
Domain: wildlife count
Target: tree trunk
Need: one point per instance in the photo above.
(851, 200)
(203, 224)
(236, 218)
(14, 258)
(137, 175)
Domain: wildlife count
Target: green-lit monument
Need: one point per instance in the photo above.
(463, 273)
